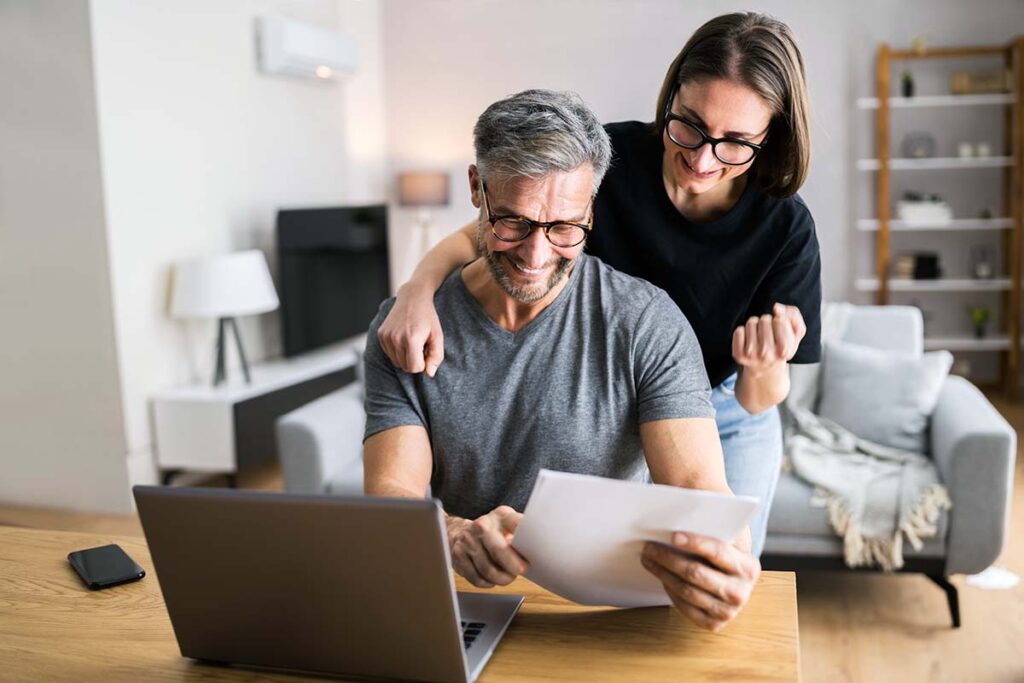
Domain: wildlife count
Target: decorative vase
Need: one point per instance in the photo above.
(907, 84)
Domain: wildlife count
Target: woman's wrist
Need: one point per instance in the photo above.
(415, 288)
(764, 373)
(758, 389)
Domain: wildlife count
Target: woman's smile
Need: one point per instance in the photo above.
(688, 170)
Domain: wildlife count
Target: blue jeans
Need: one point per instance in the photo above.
(753, 453)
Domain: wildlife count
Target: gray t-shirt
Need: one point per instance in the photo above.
(567, 392)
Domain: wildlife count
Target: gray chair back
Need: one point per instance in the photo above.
(889, 328)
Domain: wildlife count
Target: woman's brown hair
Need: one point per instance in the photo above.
(761, 53)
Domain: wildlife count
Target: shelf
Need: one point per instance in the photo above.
(935, 163)
(940, 101)
(991, 343)
(870, 284)
(871, 225)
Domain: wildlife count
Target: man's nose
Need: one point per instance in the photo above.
(535, 249)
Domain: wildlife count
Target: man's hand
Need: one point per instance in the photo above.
(482, 549)
(709, 585)
(768, 340)
(411, 334)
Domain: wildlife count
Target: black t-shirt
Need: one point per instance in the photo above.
(763, 251)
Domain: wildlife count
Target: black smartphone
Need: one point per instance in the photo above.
(105, 566)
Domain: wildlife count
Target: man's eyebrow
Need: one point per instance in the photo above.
(729, 133)
(502, 210)
(505, 211)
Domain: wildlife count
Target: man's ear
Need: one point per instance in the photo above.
(474, 186)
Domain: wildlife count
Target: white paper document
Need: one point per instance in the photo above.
(583, 535)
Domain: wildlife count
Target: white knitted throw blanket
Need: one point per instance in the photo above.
(875, 495)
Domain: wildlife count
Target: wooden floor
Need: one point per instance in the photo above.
(896, 628)
(853, 628)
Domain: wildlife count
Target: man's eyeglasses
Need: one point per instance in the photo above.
(689, 135)
(509, 228)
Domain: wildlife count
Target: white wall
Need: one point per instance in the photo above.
(200, 150)
(61, 438)
(446, 60)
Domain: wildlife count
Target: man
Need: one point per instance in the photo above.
(552, 360)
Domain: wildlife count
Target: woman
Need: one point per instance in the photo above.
(703, 204)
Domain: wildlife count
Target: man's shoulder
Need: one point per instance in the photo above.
(447, 294)
(600, 273)
(382, 312)
(617, 292)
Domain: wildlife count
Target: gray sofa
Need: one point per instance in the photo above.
(320, 445)
(973, 448)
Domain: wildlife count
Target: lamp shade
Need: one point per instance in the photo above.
(423, 188)
(223, 286)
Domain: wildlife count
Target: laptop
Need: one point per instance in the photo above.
(352, 586)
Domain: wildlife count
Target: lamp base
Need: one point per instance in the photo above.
(424, 226)
(220, 371)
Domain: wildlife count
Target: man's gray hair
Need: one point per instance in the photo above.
(537, 132)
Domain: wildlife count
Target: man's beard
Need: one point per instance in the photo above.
(521, 294)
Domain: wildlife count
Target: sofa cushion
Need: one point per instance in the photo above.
(778, 546)
(882, 396)
(793, 514)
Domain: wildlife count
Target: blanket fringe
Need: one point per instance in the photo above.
(920, 523)
(885, 553)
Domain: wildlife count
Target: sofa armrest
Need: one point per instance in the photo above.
(974, 450)
(322, 439)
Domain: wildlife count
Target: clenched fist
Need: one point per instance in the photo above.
(769, 339)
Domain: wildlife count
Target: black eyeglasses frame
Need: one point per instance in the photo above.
(707, 139)
(546, 226)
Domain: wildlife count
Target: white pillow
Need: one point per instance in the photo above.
(883, 396)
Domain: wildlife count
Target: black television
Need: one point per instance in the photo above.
(333, 273)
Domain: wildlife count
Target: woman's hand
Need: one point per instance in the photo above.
(411, 334)
(763, 348)
(766, 341)
(710, 583)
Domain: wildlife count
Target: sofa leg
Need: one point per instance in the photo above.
(951, 596)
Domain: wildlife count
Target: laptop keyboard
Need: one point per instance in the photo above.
(470, 631)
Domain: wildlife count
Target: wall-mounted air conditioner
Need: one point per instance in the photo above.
(294, 48)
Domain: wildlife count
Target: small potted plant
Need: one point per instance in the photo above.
(980, 315)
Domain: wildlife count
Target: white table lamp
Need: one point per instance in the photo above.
(224, 287)
(423, 189)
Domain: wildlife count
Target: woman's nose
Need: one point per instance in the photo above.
(703, 159)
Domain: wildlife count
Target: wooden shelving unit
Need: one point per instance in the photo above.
(1007, 342)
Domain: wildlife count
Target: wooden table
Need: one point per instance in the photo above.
(52, 628)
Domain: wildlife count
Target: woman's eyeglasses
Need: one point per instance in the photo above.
(689, 135)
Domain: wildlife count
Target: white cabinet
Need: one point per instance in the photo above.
(202, 428)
